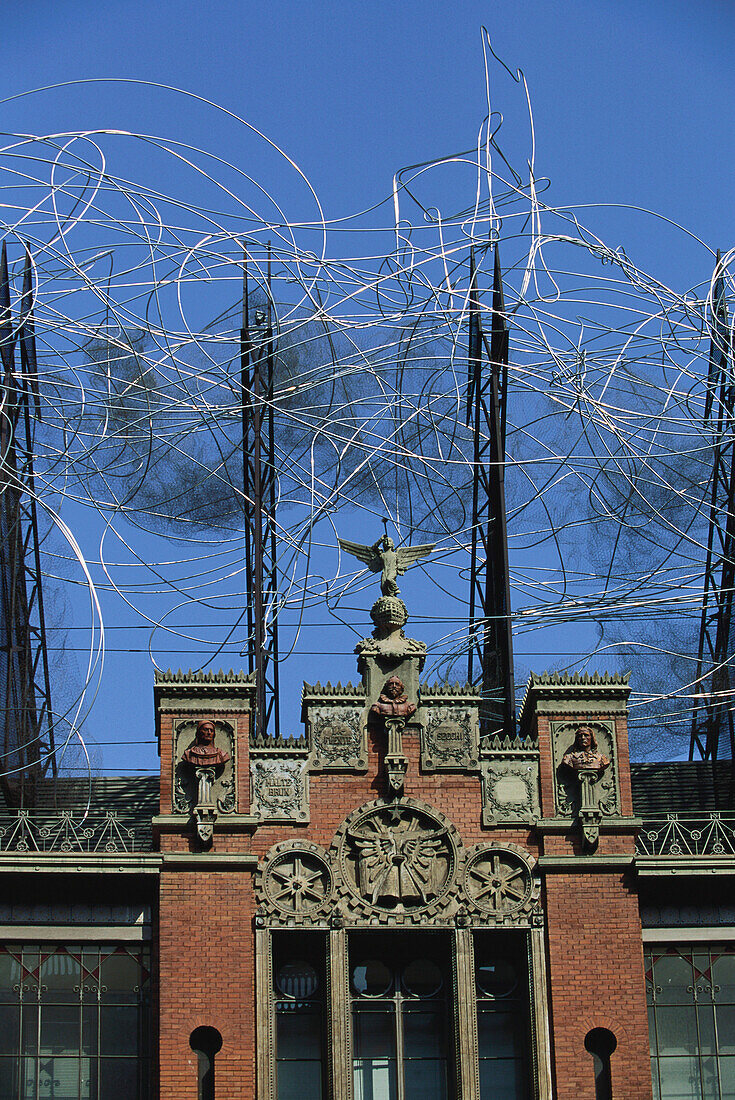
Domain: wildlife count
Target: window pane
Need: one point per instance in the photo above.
(118, 1078)
(497, 1034)
(375, 1079)
(297, 980)
(58, 1078)
(501, 1079)
(375, 1034)
(59, 1029)
(652, 1031)
(706, 1021)
(727, 1078)
(298, 1035)
(90, 1016)
(423, 1034)
(726, 1028)
(9, 975)
(677, 1030)
(9, 1084)
(680, 1079)
(497, 978)
(120, 978)
(60, 977)
(119, 1030)
(371, 978)
(299, 1081)
(426, 1079)
(422, 978)
(723, 974)
(9, 1029)
(674, 976)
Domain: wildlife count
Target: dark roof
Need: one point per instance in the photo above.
(683, 786)
(134, 798)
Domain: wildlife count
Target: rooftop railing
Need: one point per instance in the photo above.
(68, 831)
(702, 834)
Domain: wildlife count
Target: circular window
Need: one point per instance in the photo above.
(297, 980)
(371, 978)
(422, 978)
(497, 978)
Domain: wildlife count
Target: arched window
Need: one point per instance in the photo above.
(299, 994)
(601, 1043)
(206, 1042)
(399, 989)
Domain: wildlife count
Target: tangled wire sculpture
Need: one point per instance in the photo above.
(137, 302)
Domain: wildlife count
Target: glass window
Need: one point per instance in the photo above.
(299, 992)
(399, 993)
(69, 1028)
(691, 1014)
(501, 981)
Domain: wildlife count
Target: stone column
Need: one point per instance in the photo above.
(265, 1051)
(340, 1017)
(465, 1015)
(543, 1083)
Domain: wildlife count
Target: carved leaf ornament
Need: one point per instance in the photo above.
(393, 862)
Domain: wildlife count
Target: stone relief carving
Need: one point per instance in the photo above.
(450, 739)
(498, 881)
(296, 882)
(279, 789)
(208, 745)
(397, 862)
(396, 858)
(336, 738)
(510, 791)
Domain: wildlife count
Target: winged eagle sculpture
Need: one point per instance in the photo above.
(383, 557)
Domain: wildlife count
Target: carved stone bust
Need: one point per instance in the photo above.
(583, 754)
(202, 752)
(393, 701)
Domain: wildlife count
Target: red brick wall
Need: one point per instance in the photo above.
(595, 960)
(206, 979)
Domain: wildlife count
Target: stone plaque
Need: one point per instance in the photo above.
(510, 792)
(280, 789)
(185, 784)
(567, 790)
(450, 739)
(336, 739)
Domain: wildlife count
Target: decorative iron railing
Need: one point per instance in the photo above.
(707, 834)
(68, 831)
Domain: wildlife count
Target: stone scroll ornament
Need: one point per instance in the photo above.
(206, 761)
(393, 709)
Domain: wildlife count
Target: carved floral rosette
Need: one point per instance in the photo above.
(185, 783)
(606, 788)
(337, 738)
(450, 739)
(397, 863)
(500, 884)
(295, 884)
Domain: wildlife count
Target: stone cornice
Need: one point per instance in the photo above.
(603, 694)
(217, 691)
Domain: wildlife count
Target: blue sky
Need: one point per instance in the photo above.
(633, 104)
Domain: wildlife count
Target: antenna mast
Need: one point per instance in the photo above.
(25, 689)
(491, 639)
(257, 368)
